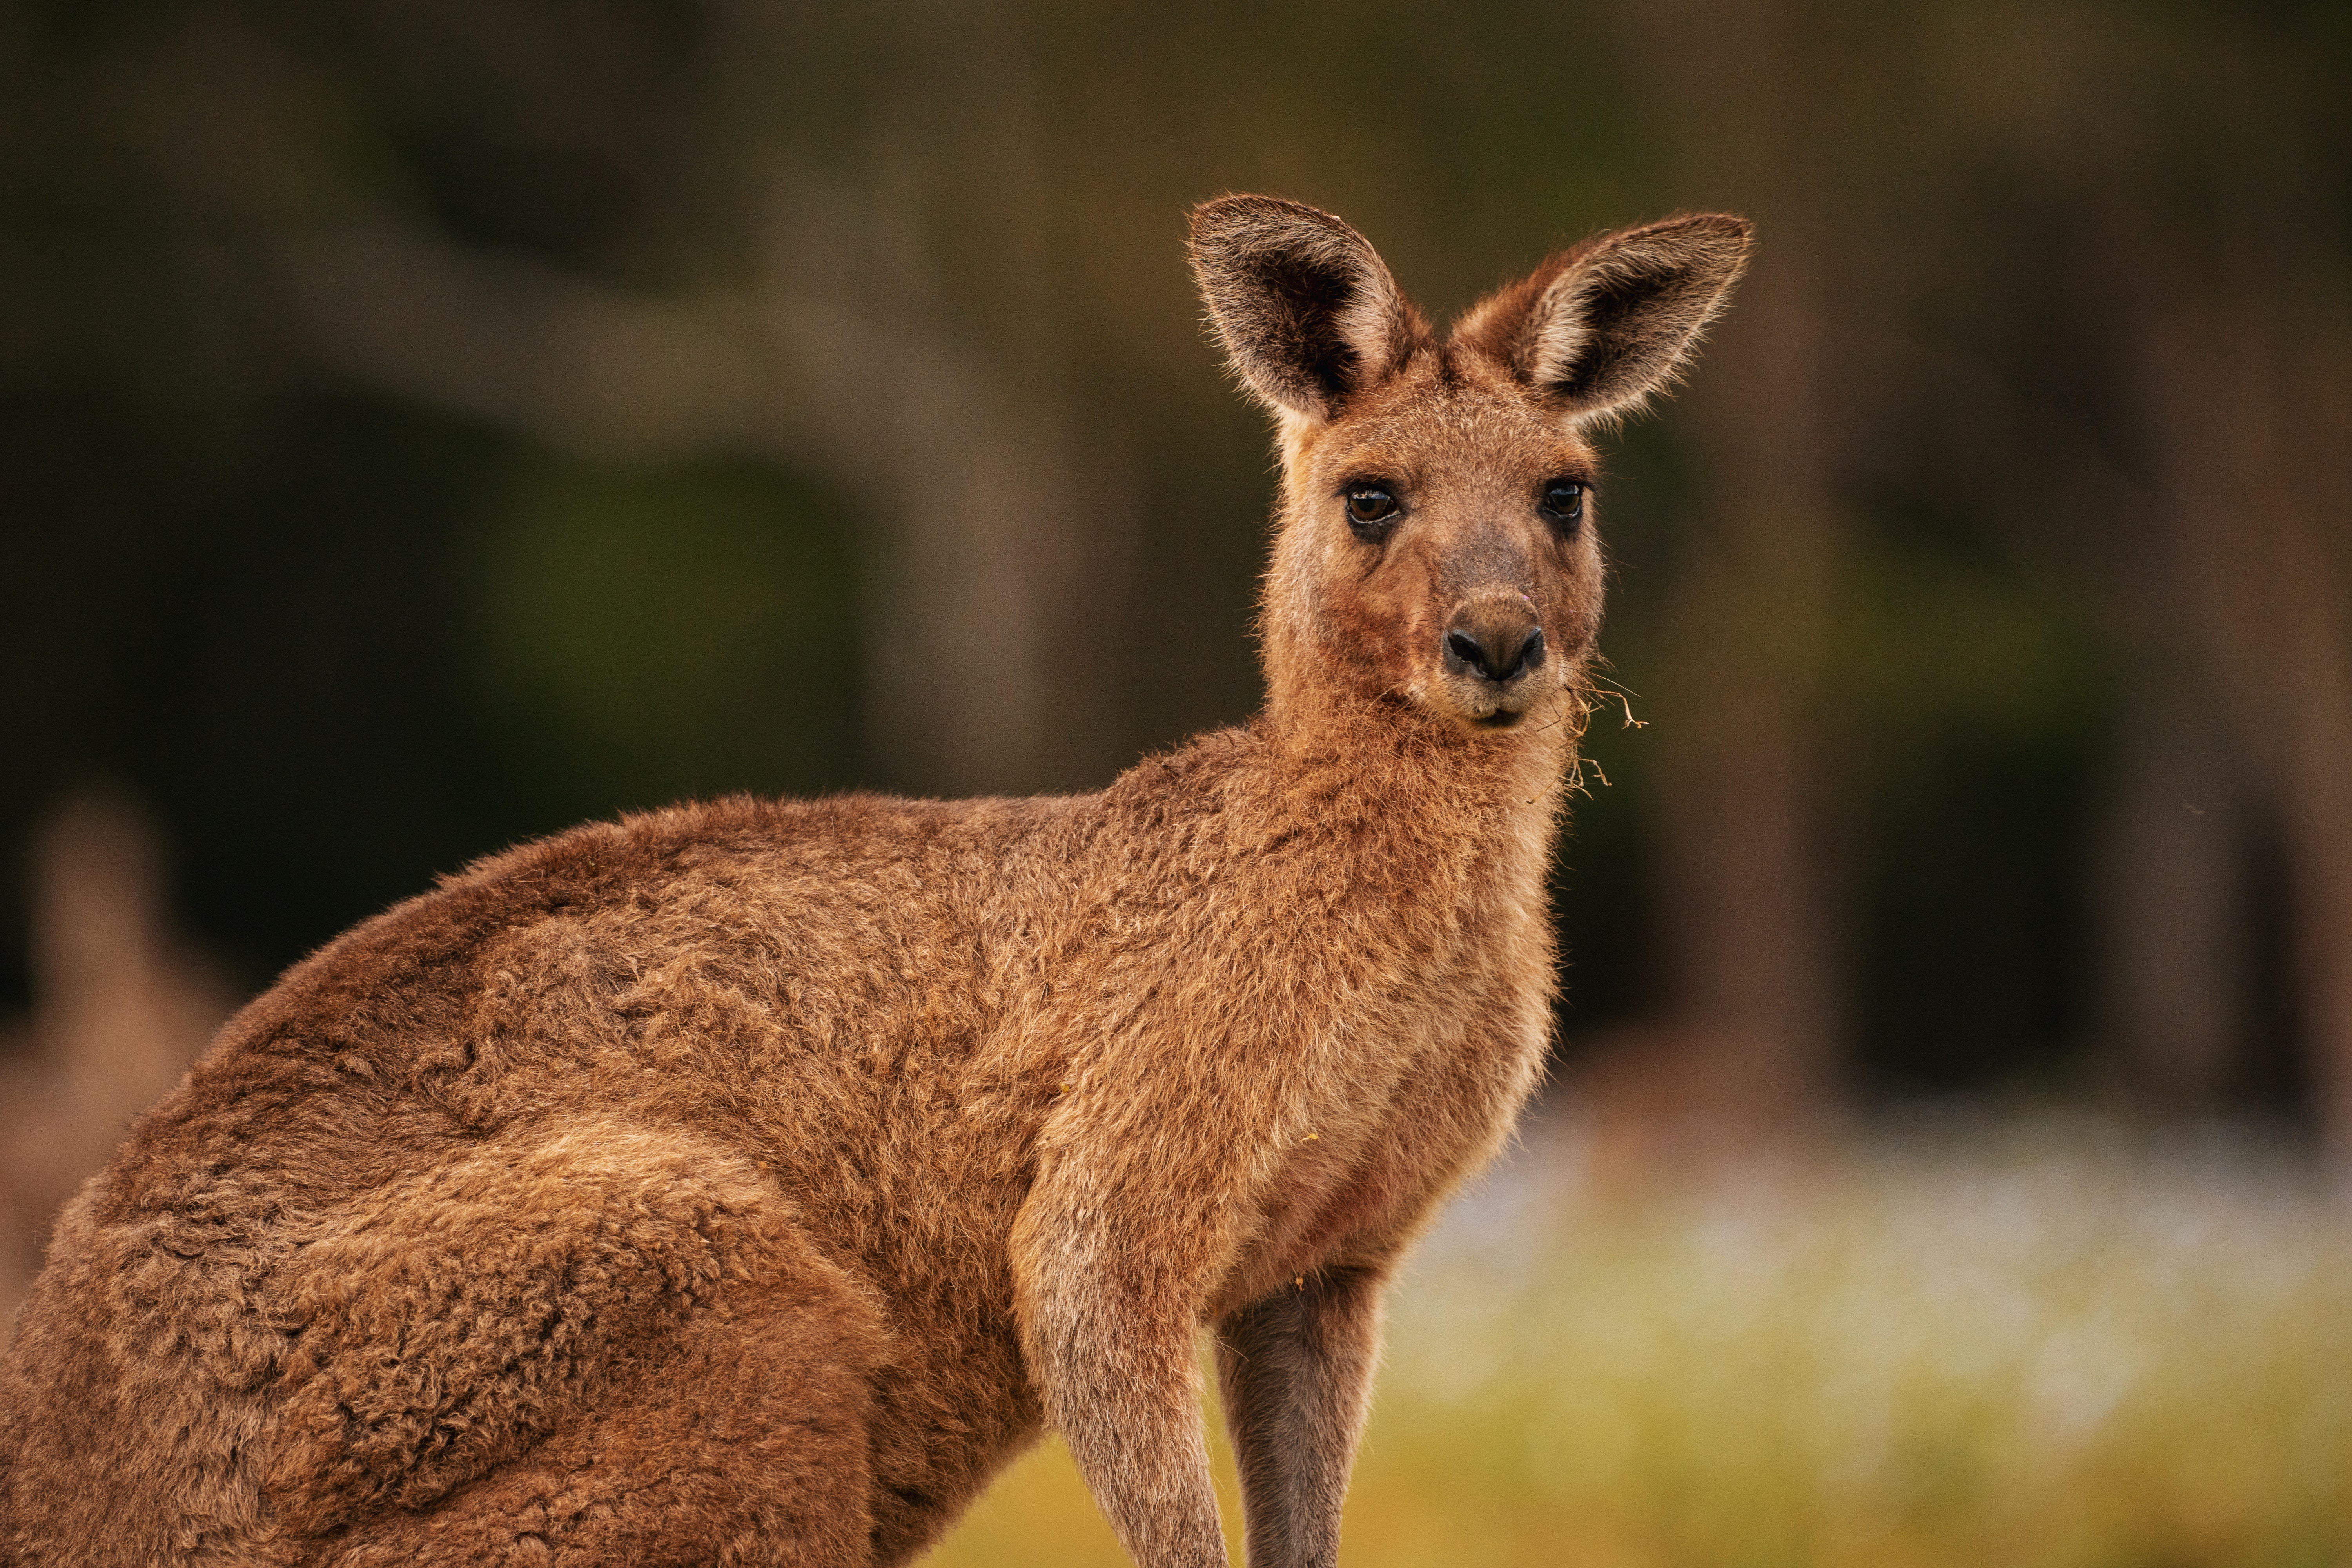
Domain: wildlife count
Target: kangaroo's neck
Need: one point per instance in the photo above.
(1382, 759)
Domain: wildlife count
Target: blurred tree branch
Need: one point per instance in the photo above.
(994, 516)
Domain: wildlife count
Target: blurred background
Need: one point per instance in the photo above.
(425, 424)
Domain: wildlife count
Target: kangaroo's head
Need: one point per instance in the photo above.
(1436, 542)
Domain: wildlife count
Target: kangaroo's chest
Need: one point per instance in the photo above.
(1360, 1180)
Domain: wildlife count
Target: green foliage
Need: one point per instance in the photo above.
(650, 633)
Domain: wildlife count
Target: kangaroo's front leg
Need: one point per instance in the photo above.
(1297, 1372)
(1107, 1280)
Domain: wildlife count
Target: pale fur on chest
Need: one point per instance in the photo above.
(1348, 1094)
(1462, 1047)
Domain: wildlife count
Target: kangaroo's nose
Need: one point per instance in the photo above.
(1495, 648)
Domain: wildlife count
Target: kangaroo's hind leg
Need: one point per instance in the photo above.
(612, 1347)
(739, 1439)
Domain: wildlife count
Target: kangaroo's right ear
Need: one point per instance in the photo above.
(1308, 312)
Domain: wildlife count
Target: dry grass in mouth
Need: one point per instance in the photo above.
(2037, 1345)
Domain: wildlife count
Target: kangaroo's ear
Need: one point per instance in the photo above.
(1308, 312)
(1604, 325)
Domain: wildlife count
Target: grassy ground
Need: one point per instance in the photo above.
(2035, 1347)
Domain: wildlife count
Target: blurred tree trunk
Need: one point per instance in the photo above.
(992, 607)
(1744, 895)
(121, 1006)
(2250, 396)
(2174, 961)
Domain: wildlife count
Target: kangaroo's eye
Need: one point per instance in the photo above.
(1563, 503)
(1372, 508)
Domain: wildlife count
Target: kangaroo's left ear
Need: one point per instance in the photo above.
(1603, 326)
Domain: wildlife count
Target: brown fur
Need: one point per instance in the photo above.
(748, 1182)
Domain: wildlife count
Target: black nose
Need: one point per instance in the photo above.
(1499, 651)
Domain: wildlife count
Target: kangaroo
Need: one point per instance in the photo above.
(747, 1182)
